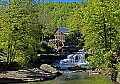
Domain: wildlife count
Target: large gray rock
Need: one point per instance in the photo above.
(118, 78)
(48, 68)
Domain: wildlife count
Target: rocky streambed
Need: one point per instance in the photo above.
(45, 72)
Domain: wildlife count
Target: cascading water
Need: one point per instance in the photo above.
(72, 60)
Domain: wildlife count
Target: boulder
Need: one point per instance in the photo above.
(48, 68)
(118, 77)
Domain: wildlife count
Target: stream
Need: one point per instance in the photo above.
(77, 78)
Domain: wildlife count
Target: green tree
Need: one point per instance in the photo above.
(101, 30)
(77, 36)
(20, 32)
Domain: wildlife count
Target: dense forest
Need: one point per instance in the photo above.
(27, 25)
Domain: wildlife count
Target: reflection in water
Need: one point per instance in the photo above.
(67, 77)
(72, 76)
(77, 78)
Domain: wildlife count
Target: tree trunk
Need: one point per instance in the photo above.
(114, 76)
(105, 34)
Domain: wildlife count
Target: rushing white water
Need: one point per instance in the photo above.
(72, 60)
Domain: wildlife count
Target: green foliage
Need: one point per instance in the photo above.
(47, 47)
(77, 36)
(118, 66)
(101, 30)
(26, 27)
(20, 32)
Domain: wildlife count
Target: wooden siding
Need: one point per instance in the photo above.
(59, 36)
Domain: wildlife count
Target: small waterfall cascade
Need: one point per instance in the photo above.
(72, 60)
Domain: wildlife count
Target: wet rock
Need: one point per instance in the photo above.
(11, 80)
(48, 68)
(28, 75)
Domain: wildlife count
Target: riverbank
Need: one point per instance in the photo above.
(110, 75)
(27, 75)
